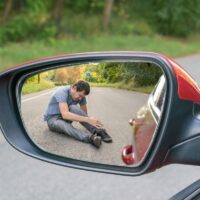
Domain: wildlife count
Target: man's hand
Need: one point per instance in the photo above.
(94, 122)
(64, 110)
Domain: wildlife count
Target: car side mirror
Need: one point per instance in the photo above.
(140, 111)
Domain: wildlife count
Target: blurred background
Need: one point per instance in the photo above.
(34, 29)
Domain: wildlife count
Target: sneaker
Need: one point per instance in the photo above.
(95, 140)
(104, 135)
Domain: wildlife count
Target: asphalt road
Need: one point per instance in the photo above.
(114, 107)
(25, 178)
(192, 65)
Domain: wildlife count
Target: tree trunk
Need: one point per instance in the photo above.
(57, 13)
(8, 9)
(38, 78)
(107, 13)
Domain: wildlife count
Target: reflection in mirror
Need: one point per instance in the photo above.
(104, 112)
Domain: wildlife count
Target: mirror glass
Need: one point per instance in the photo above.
(105, 112)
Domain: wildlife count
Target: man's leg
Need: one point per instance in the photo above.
(77, 110)
(100, 132)
(61, 126)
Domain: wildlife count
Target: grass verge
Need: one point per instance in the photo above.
(36, 87)
(15, 53)
(120, 85)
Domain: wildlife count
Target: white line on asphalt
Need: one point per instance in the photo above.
(35, 97)
(2, 139)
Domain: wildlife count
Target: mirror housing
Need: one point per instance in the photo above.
(175, 142)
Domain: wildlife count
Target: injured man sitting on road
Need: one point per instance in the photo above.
(62, 110)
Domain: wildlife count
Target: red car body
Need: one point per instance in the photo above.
(144, 125)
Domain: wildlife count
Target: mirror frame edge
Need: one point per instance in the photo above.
(146, 166)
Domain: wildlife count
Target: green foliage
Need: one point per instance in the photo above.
(178, 17)
(31, 87)
(32, 79)
(111, 72)
(23, 27)
(1, 5)
(30, 20)
(89, 7)
(12, 32)
(76, 26)
(11, 54)
(142, 74)
(122, 85)
(174, 18)
(38, 6)
(92, 74)
(139, 27)
(143, 28)
(131, 74)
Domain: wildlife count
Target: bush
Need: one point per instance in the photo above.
(23, 27)
(81, 24)
(135, 74)
(142, 28)
(130, 26)
(141, 74)
(177, 18)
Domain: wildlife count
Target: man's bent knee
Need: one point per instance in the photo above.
(75, 109)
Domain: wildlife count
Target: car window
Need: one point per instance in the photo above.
(159, 94)
(157, 97)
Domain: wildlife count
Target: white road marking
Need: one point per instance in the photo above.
(38, 96)
(2, 139)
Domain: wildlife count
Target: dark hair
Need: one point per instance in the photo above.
(82, 85)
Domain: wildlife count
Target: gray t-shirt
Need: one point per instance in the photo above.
(61, 95)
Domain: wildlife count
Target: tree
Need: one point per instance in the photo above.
(38, 78)
(61, 76)
(7, 10)
(107, 13)
(57, 14)
(73, 74)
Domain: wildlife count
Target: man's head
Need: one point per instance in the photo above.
(79, 90)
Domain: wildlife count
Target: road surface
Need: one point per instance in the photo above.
(114, 107)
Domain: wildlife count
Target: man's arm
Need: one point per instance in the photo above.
(64, 110)
(66, 114)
